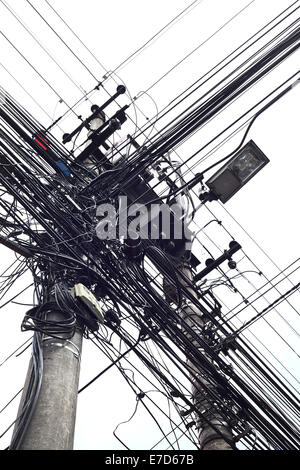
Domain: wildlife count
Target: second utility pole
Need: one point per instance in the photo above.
(214, 432)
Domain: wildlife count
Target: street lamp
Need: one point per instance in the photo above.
(248, 161)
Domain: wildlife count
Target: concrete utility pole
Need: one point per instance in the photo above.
(209, 438)
(52, 424)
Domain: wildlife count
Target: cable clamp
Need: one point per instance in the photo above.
(227, 343)
(66, 343)
(218, 422)
(242, 434)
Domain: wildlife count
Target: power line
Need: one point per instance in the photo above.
(198, 47)
(58, 211)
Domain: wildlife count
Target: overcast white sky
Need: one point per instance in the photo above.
(267, 208)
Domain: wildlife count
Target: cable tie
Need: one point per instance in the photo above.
(140, 396)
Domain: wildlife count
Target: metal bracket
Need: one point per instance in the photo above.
(63, 343)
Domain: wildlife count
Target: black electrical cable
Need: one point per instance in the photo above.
(108, 367)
